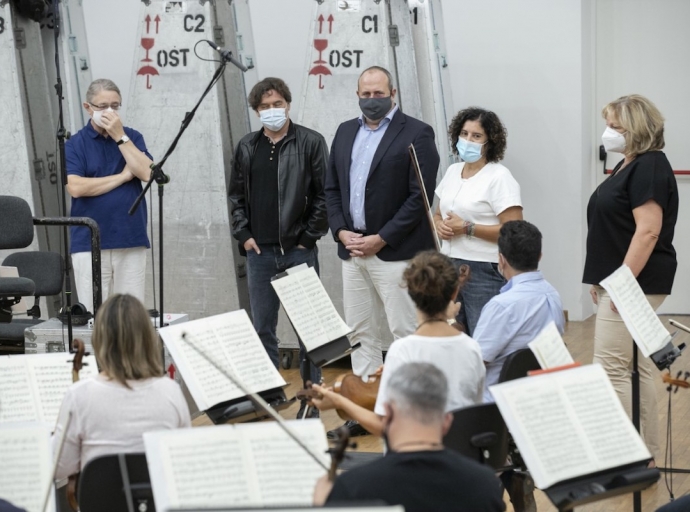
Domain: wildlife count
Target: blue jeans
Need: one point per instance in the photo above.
(264, 301)
(484, 283)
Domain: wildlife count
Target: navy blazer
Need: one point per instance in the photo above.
(393, 205)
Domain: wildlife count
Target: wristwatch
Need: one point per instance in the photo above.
(123, 140)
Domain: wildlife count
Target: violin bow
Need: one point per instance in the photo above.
(256, 398)
(56, 460)
(427, 205)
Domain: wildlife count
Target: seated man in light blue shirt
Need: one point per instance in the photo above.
(527, 303)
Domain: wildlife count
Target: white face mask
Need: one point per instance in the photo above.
(97, 116)
(613, 141)
(273, 118)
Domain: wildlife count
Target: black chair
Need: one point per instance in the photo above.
(40, 273)
(118, 482)
(518, 364)
(479, 432)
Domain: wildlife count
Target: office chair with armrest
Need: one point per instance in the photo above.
(518, 364)
(40, 273)
(479, 432)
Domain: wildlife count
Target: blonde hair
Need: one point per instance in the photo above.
(125, 342)
(101, 84)
(641, 120)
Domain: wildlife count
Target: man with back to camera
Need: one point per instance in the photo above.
(417, 472)
(376, 213)
(527, 302)
(278, 205)
(106, 163)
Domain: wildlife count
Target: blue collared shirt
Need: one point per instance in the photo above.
(91, 155)
(509, 321)
(366, 143)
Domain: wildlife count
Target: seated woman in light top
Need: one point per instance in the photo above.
(432, 282)
(130, 396)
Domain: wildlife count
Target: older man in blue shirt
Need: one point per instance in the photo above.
(527, 302)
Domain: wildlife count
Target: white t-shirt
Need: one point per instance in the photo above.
(108, 418)
(458, 357)
(479, 199)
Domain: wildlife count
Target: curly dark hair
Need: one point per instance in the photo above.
(432, 281)
(495, 131)
(268, 84)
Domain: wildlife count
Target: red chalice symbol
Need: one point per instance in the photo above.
(320, 45)
(147, 44)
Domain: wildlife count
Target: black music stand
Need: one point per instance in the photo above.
(243, 409)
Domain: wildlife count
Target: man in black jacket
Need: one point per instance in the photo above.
(277, 202)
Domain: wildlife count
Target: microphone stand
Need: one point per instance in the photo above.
(162, 179)
(259, 402)
(62, 134)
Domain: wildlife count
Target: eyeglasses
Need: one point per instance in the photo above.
(114, 106)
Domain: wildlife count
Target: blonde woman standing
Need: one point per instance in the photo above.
(631, 218)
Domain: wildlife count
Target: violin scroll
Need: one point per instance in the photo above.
(677, 382)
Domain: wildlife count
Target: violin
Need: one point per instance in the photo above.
(356, 390)
(337, 451)
(677, 382)
(79, 350)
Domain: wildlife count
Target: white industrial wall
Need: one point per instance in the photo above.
(545, 67)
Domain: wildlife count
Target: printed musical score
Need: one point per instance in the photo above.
(309, 308)
(32, 386)
(568, 423)
(231, 341)
(639, 316)
(26, 465)
(234, 465)
(549, 348)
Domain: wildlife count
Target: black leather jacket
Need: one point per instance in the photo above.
(302, 162)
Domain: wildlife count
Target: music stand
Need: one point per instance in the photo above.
(243, 409)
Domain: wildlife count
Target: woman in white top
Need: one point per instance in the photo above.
(476, 197)
(432, 282)
(110, 412)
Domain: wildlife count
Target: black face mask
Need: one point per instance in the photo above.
(375, 108)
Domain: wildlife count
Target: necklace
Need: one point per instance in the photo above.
(429, 320)
(430, 444)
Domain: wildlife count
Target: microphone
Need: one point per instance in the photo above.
(226, 55)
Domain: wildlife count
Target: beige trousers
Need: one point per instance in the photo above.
(613, 349)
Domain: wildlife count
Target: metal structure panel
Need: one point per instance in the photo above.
(434, 77)
(348, 38)
(199, 276)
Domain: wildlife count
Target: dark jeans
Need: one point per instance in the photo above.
(264, 301)
(484, 283)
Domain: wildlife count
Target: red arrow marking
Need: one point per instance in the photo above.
(320, 20)
(330, 23)
(157, 20)
(148, 22)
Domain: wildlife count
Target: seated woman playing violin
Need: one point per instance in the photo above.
(432, 282)
(130, 395)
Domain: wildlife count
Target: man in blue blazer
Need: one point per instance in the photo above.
(377, 215)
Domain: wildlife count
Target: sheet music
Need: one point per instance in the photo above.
(549, 348)
(17, 396)
(52, 376)
(274, 451)
(568, 423)
(234, 465)
(639, 317)
(310, 309)
(33, 386)
(26, 465)
(231, 341)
